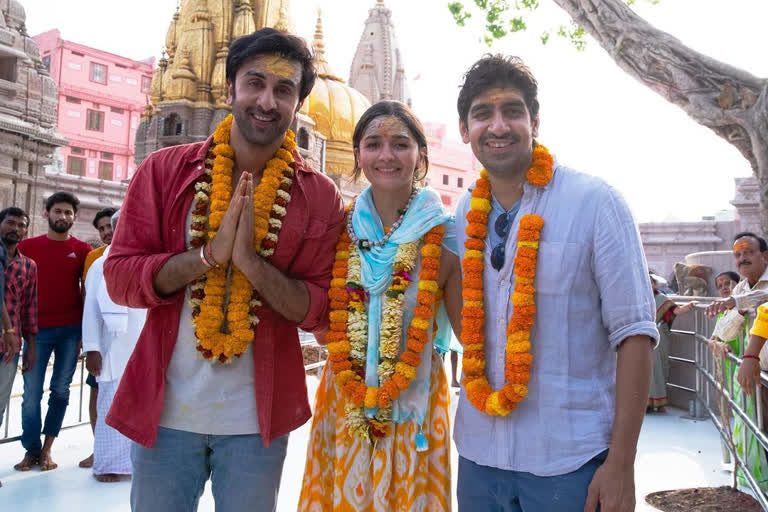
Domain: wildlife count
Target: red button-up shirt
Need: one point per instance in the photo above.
(152, 229)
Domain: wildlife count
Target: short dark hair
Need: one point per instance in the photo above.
(760, 240)
(733, 276)
(104, 212)
(498, 71)
(13, 211)
(62, 197)
(404, 114)
(271, 41)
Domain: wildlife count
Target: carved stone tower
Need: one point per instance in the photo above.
(377, 68)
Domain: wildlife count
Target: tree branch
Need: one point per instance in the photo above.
(728, 100)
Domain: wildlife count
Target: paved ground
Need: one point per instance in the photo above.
(673, 453)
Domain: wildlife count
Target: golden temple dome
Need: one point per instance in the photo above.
(335, 107)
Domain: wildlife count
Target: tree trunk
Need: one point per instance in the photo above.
(729, 101)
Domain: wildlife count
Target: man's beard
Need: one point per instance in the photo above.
(10, 239)
(60, 226)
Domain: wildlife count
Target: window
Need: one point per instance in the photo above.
(173, 125)
(120, 66)
(107, 156)
(105, 170)
(47, 62)
(77, 151)
(146, 83)
(7, 68)
(116, 110)
(445, 179)
(460, 182)
(95, 121)
(76, 166)
(98, 73)
(72, 99)
(303, 138)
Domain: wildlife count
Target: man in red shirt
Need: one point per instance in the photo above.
(193, 417)
(59, 257)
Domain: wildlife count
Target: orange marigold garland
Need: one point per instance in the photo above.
(518, 356)
(348, 334)
(213, 192)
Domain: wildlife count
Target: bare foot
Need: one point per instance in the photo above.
(108, 477)
(46, 462)
(455, 384)
(87, 462)
(26, 463)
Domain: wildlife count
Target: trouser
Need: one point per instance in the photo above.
(171, 476)
(62, 343)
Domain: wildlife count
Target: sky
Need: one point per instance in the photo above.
(594, 117)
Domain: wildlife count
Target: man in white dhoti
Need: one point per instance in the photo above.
(109, 336)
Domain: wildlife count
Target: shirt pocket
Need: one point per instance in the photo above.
(292, 240)
(558, 266)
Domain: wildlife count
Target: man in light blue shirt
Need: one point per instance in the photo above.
(570, 444)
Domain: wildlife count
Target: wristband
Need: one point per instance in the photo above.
(203, 258)
(209, 255)
(748, 356)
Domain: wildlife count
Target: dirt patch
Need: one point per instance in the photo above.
(703, 499)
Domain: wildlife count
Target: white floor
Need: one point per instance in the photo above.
(673, 453)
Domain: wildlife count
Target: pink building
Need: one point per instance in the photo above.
(101, 99)
(452, 166)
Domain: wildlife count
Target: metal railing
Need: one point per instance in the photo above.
(78, 387)
(713, 396)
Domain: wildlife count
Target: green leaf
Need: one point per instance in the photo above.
(458, 12)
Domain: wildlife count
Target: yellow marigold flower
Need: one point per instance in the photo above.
(473, 254)
(522, 299)
(344, 377)
(518, 336)
(420, 323)
(370, 397)
(496, 404)
(480, 204)
(430, 286)
(524, 243)
(409, 372)
(518, 347)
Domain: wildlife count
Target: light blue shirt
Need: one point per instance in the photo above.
(592, 292)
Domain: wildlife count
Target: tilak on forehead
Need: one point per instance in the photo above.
(387, 126)
(740, 245)
(281, 66)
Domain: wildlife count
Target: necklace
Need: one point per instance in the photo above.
(518, 356)
(365, 244)
(225, 317)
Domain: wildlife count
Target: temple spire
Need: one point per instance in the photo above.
(318, 45)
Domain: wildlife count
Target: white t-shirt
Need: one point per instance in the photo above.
(205, 397)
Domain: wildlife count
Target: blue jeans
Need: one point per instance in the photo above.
(170, 476)
(62, 342)
(487, 489)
